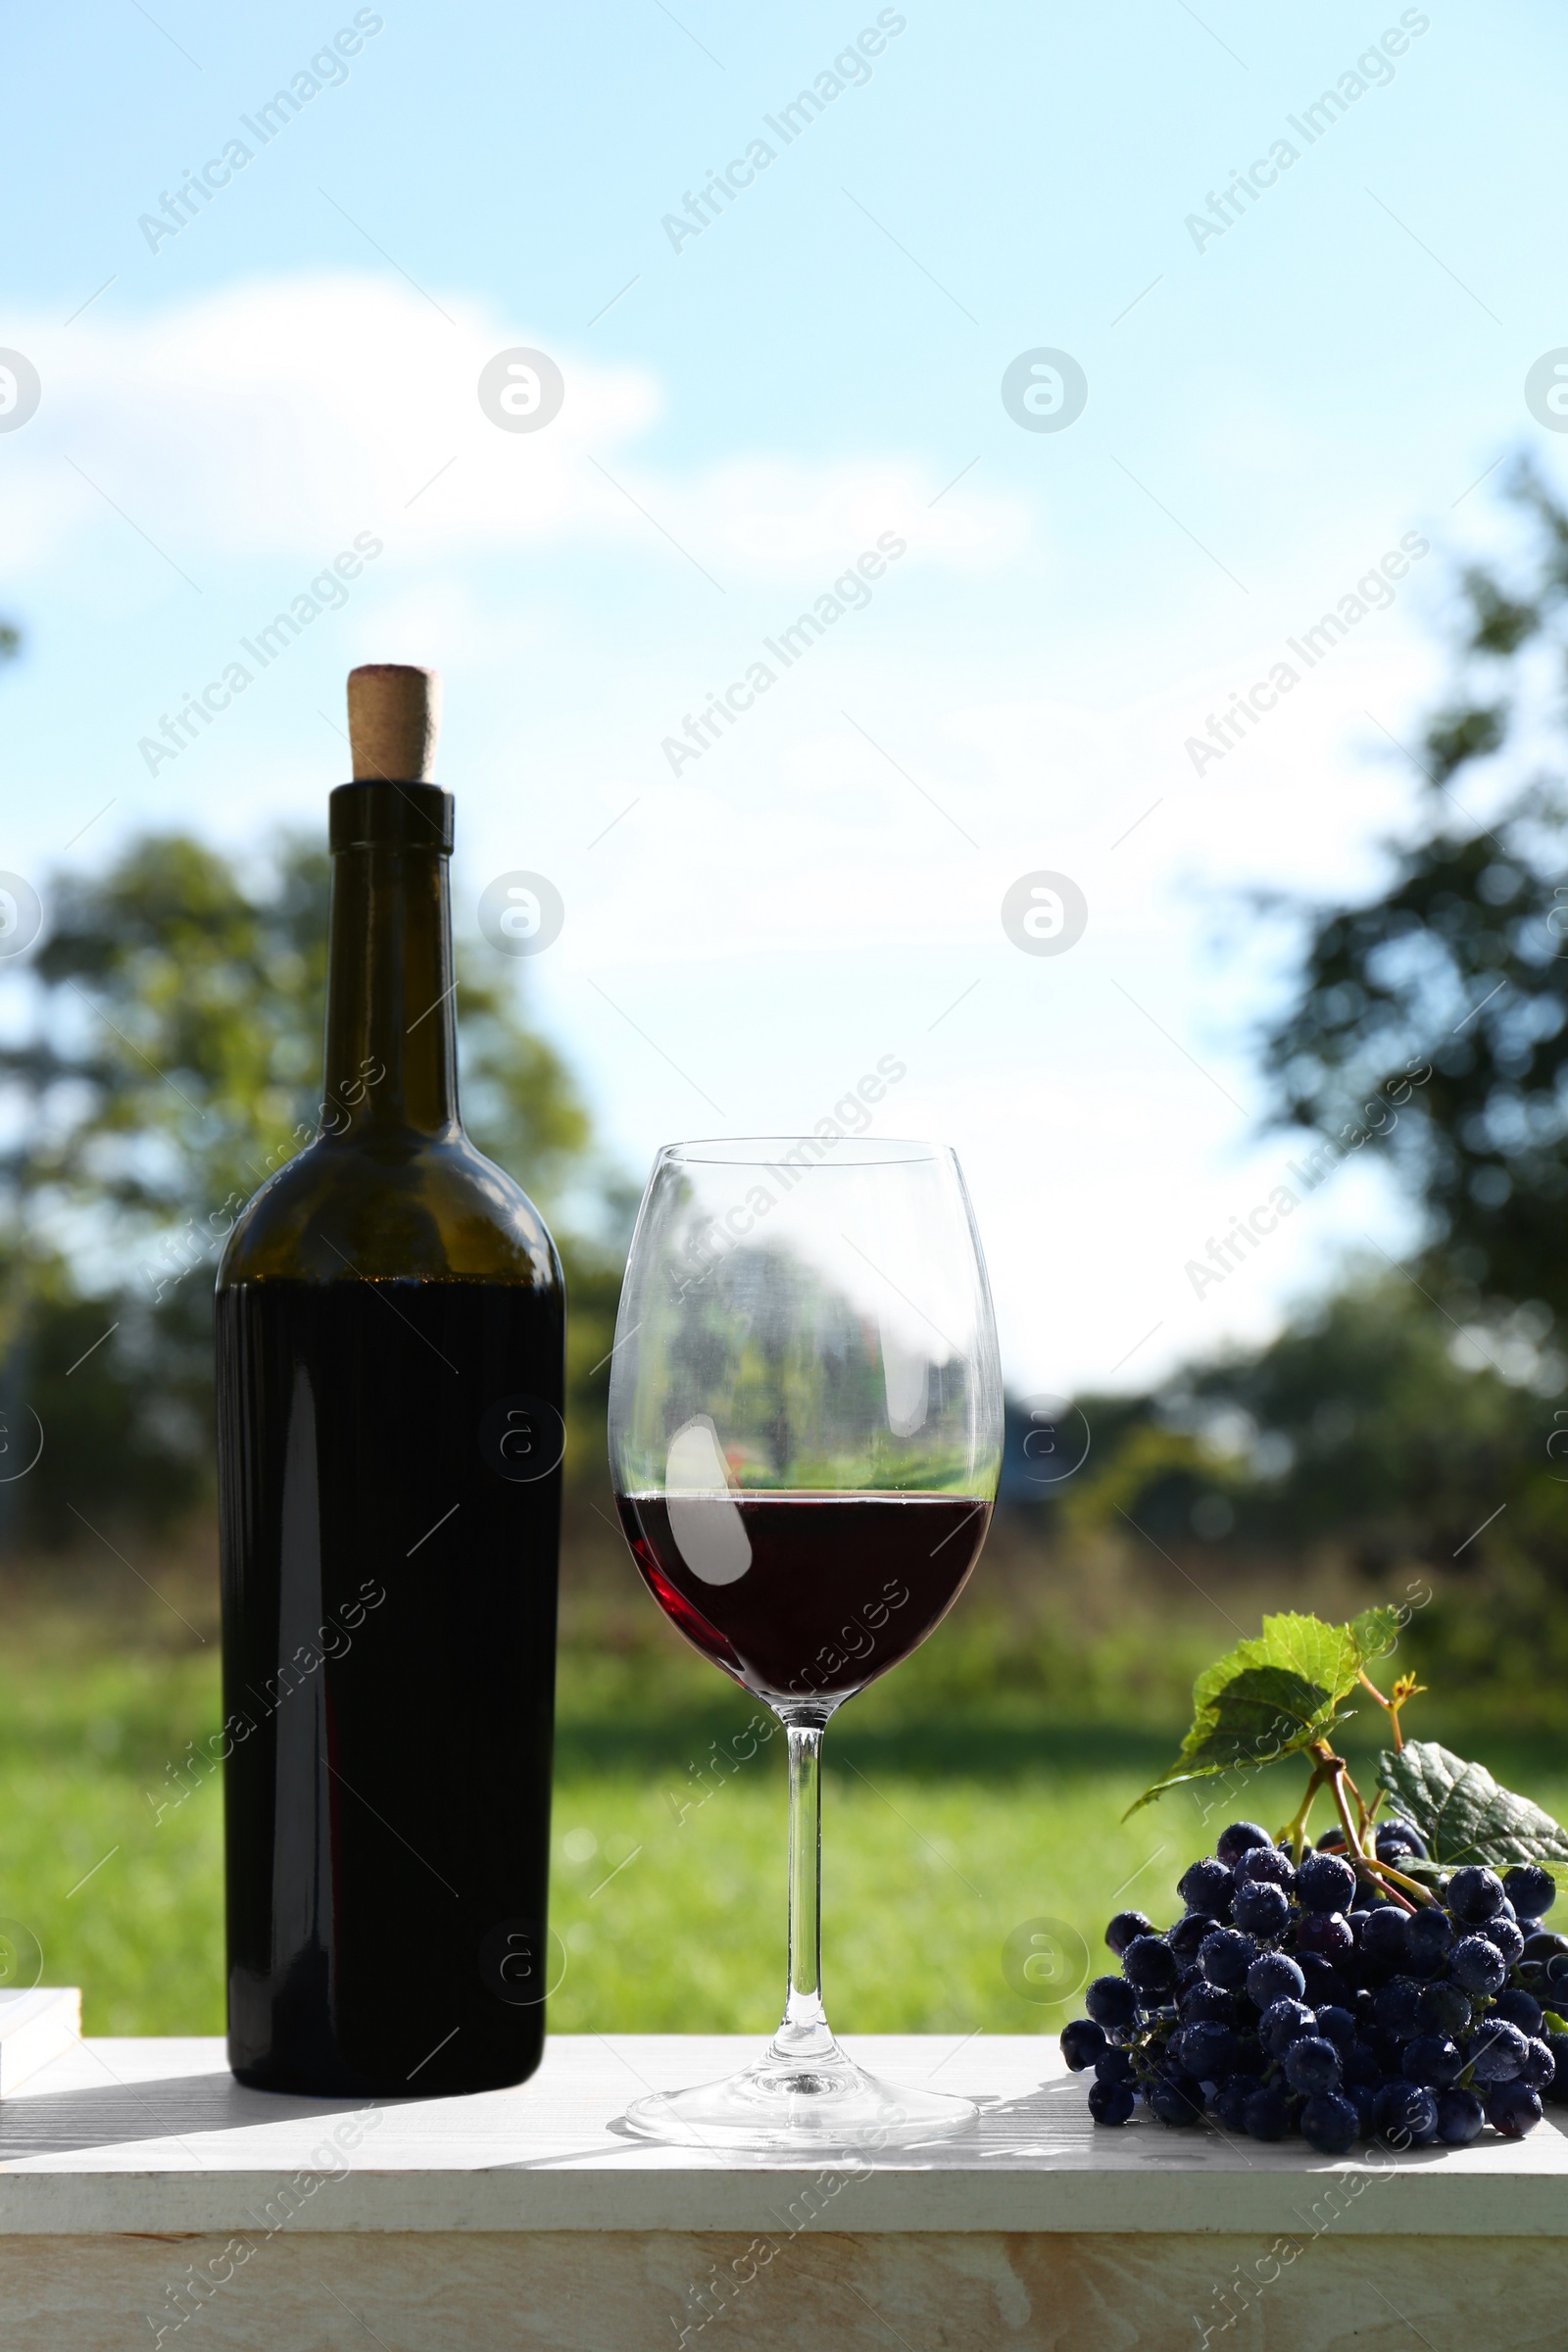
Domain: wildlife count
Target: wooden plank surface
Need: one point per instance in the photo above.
(558, 2292)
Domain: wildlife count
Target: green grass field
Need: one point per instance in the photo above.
(951, 1823)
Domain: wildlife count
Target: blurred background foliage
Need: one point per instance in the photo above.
(1404, 1438)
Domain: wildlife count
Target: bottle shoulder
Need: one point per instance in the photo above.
(406, 1207)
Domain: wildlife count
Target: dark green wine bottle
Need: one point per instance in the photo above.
(390, 1345)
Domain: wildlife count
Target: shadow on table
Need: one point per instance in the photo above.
(117, 2114)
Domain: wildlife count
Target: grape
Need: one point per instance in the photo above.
(1282, 2023)
(1111, 2001)
(1395, 1838)
(1186, 1937)
(1205, 1885)
(1361, 2096)
(1557, 2046)
(1389, 2049)
(1429, 1932)
(1530, 1888)
(1110, 2102)
(1474, 1894)
(1513, 2109)
(1504, 1933)
(1432, 2059)
(1226, 1956)
(1149, 1963)
(1332, 1841)
(1265, 1865)
(1498, 2051)
(1383, 1936)
(1082, 2042)
(1274, 1976)
(1329, 2123)
(1124, 1927)
(1460, 2116)
(1397, 2007)
(1544, 1967)
(1234, 1841)
(1261, 1909)
(1177, 2100)
(1324, 1934)
(1444, 2009)
(1405, 2112)
(1229, 2106)
(1422, 1962)
(1518, 2007)
(1268, 2115)
(1324, 1882)
(1206, 2050)
(1478, 1964)
(1338, 2025)
(1204, 2003)
(1312, 2065)
(1322, 1983)
(1113, 2066)
(1540, 2069)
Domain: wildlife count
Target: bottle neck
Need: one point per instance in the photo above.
(391, 1023)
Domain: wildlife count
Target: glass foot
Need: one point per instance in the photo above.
(786, 2104)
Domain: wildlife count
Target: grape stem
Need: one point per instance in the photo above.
(1372, 1872)
(1386, 1704)
(1404, 1686)
(1332, 1769)
(1396, 1878)
(1296, 1829)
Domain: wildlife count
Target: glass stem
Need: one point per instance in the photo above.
(803, 2032)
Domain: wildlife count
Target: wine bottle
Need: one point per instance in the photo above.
(390, 1343)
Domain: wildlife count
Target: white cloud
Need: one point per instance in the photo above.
(271, 416)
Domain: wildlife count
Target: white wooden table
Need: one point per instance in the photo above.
(138, 2182)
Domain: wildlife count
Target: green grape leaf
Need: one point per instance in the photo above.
(1272, 1695)
(1463, 1814)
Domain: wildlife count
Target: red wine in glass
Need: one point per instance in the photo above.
(832, 1589)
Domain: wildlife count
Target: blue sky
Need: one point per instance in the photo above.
(1272, 408)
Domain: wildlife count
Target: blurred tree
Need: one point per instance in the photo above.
(173, 1061)
(1461, 961)
(176, 1056)
(1372, 1433)
(1371, 1425)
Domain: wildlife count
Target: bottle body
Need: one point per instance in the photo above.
(390, 1358)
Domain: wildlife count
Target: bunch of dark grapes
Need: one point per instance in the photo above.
(1304, 1999)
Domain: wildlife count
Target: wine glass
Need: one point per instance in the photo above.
(805, 1441)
